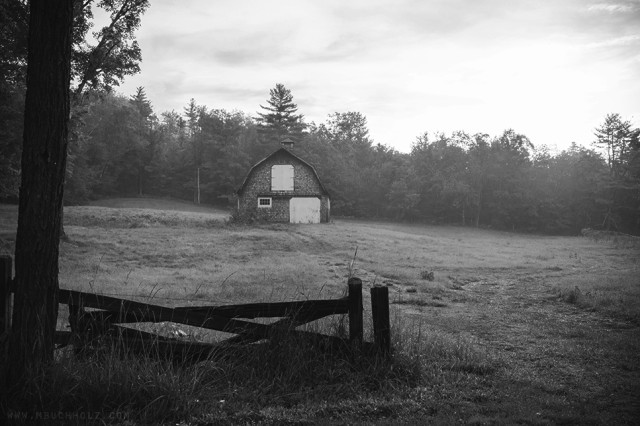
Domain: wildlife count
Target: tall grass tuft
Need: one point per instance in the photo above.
(431, 355)
(285, 371)
(137, 389)
(616, 294)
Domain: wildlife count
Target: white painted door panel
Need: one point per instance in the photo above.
(304, 210)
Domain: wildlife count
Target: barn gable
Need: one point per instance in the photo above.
(283, 188)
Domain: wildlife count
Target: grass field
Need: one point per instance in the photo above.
(511, 329)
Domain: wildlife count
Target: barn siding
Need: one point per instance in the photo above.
(258, 184)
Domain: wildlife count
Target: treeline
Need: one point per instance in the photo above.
(120, 147)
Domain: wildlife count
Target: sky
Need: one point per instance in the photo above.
(549, 69)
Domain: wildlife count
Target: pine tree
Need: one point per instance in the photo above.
(616, 137)
(280, 121)
(142, 104)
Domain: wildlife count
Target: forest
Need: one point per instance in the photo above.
(119, 146)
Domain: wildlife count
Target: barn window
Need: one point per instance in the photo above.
(264, 202)
(282, 178)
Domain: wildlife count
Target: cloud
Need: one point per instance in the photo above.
(611, 18)
(234, 92)
(342, 48)
(611, 7)
(241, 56)
(623, 41)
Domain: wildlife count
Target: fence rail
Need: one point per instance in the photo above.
(107, 315)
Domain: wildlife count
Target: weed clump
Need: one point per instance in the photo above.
(427, 275)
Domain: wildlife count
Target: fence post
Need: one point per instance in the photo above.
(75, 311)
(5, 299)
(355, 310)
(380, 312)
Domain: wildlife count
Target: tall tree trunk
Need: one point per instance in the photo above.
(43, 165)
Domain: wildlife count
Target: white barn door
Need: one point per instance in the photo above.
(304, 210)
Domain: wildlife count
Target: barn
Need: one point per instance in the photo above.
(283, 188)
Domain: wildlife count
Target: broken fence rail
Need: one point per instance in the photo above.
(112, 312)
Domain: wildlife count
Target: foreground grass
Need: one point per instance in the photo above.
(284, 380)
(488, 326)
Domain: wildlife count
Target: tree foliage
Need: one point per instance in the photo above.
(279, 119)
(116, 54)
(96, 67)
(621, 198)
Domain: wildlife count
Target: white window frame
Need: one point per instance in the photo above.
(265, 206)
(282, 177)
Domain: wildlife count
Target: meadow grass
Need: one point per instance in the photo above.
(617, 293)
(487, 326)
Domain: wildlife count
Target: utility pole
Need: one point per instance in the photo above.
(198, 185)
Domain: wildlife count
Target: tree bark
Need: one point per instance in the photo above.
(43, 165)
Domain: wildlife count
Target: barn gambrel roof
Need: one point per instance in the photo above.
(287, 152)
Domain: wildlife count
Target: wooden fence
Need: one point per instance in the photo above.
(108, 314)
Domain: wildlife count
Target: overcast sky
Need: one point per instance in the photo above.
(550, 69)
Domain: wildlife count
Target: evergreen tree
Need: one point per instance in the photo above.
(143, 149)
(279, 119)
(196, 114)
(615, 137)
(620, 143)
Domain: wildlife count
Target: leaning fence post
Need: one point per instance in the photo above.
(380, 312)
(5, 296)
(355, 310)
